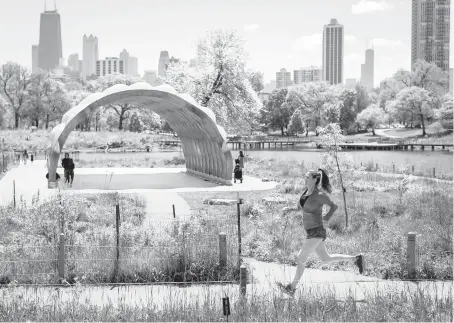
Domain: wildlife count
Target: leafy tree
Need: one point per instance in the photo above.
(15, 82)
(445, 113)
(56, 101)
(219, 80)
(347, 115)
(320, 102)
(256, 80)
(413, 101)
(278, 110)
(122, 110)
(362, 97)
(371, 117)
(38, 92)
(296, 124)
(135, 124)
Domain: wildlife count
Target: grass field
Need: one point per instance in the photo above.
(381, 209)
(156, 250)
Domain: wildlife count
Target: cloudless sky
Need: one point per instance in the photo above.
(277, 34)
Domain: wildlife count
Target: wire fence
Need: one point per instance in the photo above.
(159, 249)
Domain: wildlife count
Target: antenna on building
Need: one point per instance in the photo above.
(45, 5)
(55, 5)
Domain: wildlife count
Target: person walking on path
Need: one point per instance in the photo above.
(241, 158)
(311, 202)
(25, 156)
(68, 165)
(238, 172)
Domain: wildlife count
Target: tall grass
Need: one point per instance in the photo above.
(173, 304)
(157, 249)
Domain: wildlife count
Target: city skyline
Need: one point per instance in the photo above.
(275, 36)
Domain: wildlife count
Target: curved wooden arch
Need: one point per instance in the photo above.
(204, 141)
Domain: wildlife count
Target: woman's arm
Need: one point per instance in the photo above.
(326, 200)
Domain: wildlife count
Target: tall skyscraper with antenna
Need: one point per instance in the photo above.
(50, 46)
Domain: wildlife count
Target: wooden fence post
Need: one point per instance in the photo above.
(222, 249)
(173, 209)
(61, 257)
(239, 231)
(411, 255)
(394, 168)
(14, 193)
(243, 279)
(412, 169)
(434, 172)
(117, 246)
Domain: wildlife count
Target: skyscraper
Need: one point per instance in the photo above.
(283, 79)
(124, 56)
(307, 74)
(333, 52)
(367, 70)
(90, 56)
(164, 61)
(73, 62)
(109, 66)
(50, 47)
(133, 66)
(35, 59)
(430, 34)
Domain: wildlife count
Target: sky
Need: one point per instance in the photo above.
(277, 34)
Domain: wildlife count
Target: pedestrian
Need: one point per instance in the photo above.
(32, 157)
(25, 156)
(68, 165)
(241, 158)
(316, 194)
(238, 172)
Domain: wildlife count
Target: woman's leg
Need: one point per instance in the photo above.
(325, 257)
(309, 247)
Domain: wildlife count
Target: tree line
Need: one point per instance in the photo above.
(411, 98)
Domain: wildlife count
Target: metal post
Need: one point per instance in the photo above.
(243, 279)
(394, 168)
(14, 193)
(173, 209)
(376, 166)
(239, 232)
(412, 169)
(434, 171)
(117, 227)
(411, 255)
(61, 257)
(222, 249)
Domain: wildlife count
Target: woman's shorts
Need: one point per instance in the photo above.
(318, 232)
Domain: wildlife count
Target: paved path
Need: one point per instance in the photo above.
(262, 283)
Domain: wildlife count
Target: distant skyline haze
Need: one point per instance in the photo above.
(277, 34)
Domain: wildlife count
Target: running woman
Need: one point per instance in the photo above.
(311, 202)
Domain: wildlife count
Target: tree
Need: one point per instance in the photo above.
(413, 101)
(56, 101)
(338, 163)
(75, 97)
(15, 81)
(256, 80)
(371, 117)
(445, 113)
(362, 97)
(278, 111)
(319, 101)
(296, 124)
(39, 90)
(219, 81)
(123, 110)
(135, 123)
(347, 115)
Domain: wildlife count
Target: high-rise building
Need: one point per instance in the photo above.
(73, 62)
(430, 34)
(333, 52)
(133, 68)
(50, 46)
(109, 66)
(35, 59)
(164, 61)
(90, 56)
(350, 84)
(150, 77)
(124, 56)
(307, 74)
(367, 70)
(81, 65)
(283, 79)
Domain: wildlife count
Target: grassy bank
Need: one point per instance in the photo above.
(144, 161)
(313, 306)
(40, 139)
(151, 250)
(381, 210)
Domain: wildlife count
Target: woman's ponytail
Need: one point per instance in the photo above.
(326, 185)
